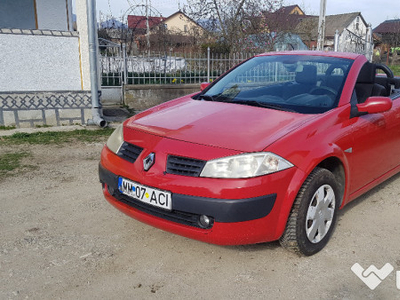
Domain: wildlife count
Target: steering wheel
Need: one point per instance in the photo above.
(385, 69)
(321, 90)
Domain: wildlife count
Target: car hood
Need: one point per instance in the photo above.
(226, 125)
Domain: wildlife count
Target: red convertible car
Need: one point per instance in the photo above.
(269, 151)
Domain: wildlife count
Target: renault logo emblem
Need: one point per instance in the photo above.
(149, 161)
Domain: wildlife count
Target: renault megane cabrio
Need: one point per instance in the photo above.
(269, 151)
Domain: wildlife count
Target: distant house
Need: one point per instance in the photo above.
(274, 30)
(290, 10)
(175, 31)
(177, 22)
(182, 24)
(291, 20)
(351, 27)
(139, 23)
(284, 19)
(389, 33)
(45, 74)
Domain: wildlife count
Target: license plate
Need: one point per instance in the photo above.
(145, 194)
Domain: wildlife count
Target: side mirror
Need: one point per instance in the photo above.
(203, 85)
(375, 105)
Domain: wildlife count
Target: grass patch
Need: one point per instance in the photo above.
(56, 137)
(2, 127)
(43, 126)
(10, 162)
(396, 70)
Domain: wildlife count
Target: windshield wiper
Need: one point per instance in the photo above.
(217, 98)
(262, 104)
(206, 97)
(277, 107)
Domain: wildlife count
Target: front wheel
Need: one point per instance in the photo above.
(313, 216)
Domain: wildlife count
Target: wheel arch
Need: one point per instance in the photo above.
(336, 163)
(336, 167)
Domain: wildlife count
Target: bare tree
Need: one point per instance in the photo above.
(117, 31)
(234, 22)
(307, 29)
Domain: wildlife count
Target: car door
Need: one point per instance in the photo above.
(376, 146)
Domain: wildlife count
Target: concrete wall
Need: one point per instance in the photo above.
(45, 61)
(44, 74)
(142, 97)
(82, 24)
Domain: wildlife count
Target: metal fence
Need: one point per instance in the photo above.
(111, 63)
(162, 68)
(117, 69)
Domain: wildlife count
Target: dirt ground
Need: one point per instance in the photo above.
(60, 239)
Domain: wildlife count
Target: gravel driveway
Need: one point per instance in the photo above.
(60, 239)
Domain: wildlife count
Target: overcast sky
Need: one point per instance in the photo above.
(373, 11)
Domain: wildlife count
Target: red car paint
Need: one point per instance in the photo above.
(366, 147)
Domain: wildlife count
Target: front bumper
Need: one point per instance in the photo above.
(243, 211)
(188, 209)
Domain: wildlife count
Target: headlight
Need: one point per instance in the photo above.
(245, 165)
(116, 139)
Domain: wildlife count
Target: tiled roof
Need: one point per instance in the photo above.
(139, 22)
(389, 26)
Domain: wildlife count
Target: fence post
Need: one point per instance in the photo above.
(336, 46)
(208, 64)
(369, 48)
(124, 64)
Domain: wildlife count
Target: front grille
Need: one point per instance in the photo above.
(184, 166)
(180, 217)
(129, 152)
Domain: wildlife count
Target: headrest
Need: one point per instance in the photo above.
(308, 75)
(367, 73)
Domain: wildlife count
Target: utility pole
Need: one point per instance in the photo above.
(147, 25)
(321, 26)
(97, 112)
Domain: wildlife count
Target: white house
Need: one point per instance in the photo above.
(45, 72)
(351, 27)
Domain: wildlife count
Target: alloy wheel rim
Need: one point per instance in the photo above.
(320, 213)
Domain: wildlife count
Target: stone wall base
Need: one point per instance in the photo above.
(32, 109)
(141, 97)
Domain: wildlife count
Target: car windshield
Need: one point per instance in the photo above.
(297, 83)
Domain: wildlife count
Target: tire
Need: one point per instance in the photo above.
(311, 220)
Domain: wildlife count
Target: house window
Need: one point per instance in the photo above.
(18, 14)
(357, 23)
(185, 28)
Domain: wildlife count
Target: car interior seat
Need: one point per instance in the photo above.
(366, 85)
(305, 81)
